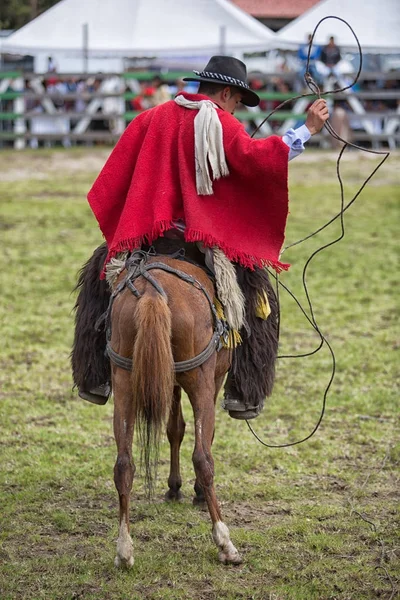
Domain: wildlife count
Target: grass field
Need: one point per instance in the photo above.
(315, 521)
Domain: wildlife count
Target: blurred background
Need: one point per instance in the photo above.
(77, 72)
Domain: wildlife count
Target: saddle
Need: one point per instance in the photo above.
(230, 299)
(173, 245)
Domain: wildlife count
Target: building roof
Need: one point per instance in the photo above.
(289, 9)
(141, 28)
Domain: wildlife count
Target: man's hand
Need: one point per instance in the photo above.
(317, 114)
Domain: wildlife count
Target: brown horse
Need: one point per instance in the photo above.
(159, 320)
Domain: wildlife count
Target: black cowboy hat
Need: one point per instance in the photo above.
(230, 71)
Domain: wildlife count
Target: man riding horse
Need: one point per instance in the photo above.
(187, 169)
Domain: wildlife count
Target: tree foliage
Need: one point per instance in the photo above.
(16, 13)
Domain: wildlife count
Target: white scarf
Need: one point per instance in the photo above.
(208, 144)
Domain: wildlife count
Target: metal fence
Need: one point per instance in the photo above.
(33, 112)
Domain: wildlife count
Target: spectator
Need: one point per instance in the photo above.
(161, 91)
(330, 54)
(51, 68)
(302, 55)
(340, 121)
(51, 65)
(144, 99)
(392, 85)
(80, 103)
(93, 87)
(282, 87)
(70, 87)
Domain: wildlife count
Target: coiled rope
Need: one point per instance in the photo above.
(315, 91)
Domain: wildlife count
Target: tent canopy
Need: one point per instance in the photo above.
(376, 23)
(141, 28)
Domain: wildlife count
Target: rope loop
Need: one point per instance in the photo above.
(311, 84)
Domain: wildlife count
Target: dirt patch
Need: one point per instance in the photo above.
(45, 164)
(4, 226)
(27, 165)
(249, 516)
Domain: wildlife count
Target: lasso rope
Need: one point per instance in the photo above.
(340, 215)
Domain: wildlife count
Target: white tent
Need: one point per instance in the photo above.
(376, 23)
(120, 28)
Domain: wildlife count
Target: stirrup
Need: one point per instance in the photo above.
(238, 410)
(98, 395)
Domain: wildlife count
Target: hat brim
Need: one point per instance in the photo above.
(249, 98)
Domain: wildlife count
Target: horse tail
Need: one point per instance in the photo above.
(152, 377)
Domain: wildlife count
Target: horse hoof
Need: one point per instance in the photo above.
(171, 496)
(200, 503)
(124, 563)
(230, 559)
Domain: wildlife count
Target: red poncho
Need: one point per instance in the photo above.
(148, 182)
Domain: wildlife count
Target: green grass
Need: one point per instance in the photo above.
(315, 521)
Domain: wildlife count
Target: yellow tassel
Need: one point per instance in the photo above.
(234, 337)
(263, 309)
(219, 309)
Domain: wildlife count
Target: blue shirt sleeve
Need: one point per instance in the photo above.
(295, 139)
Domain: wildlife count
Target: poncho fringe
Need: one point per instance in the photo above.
(192, 235)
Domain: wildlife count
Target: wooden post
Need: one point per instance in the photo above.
(19, 108)
(222, 39)
(85, 47)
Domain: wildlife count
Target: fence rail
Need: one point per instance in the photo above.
(174, 75)
(30, 113)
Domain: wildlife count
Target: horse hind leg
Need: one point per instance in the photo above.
(175, 433)
(202, 400)
(199, 499)
(124, 468)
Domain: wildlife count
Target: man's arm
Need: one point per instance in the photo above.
(296, 138)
